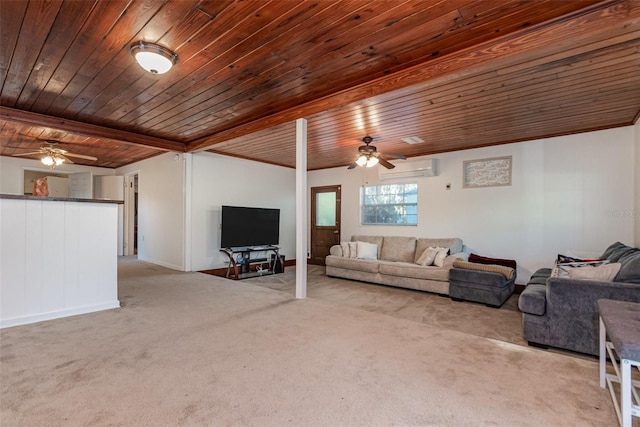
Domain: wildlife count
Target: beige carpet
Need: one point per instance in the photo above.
(503, 324)
(193, 349)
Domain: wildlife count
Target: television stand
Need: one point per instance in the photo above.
(241, 259)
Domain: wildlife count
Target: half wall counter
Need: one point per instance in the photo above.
(58, 257)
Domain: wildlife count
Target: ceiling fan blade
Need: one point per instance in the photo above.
(352, 165)
(385, 163)
(31, 153)
(81, 156)
(396, 156)
(65, 158)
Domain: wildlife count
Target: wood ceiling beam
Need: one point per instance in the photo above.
(86, 129)
(582, 23)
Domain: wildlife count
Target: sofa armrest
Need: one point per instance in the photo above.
(335, 250)
(572, 309)
(533, 300)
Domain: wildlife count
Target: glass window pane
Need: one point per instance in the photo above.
(326, 209)
(390, 204)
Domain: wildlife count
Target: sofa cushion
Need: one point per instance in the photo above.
(607, 252)
(413, 270)
(454, 245)
(617, 251)
(376, 240)
(369, 266)
(630, 267)
(398, 248)
(540, 277)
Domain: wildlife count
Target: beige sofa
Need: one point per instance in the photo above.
(396, 263)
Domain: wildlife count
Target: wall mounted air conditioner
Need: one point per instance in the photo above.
(409, 169)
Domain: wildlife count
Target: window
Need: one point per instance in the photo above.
(389, 204)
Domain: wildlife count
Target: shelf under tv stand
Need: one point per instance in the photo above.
(242, 267)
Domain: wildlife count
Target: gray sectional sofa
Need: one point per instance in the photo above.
(395, 263)
(562, 312)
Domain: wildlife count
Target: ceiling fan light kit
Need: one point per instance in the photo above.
(368, 156)
(52, 160)
(153, 58)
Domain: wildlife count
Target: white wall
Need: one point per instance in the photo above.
(636, 213)
(220, 180)
(568, 194)
(161, 218)
(57, 259)
(12, 172)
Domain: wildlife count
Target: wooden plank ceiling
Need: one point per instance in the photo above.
(456, 73)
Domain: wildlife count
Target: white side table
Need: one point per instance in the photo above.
(620, 321)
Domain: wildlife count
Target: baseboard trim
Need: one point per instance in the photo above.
(161, 263)
(33, 318)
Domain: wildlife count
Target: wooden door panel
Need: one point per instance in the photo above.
(324, 234)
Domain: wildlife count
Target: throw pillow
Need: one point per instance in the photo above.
(345, 249)
(353, 249)
(604, 272)
(564, 269)
(495, 261)
(440, 256)
(427, 257)
(367, 250)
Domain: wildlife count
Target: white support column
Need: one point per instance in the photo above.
(301, 208)
(187, 159)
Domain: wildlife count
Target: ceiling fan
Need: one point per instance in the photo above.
(369, 156)
(53, 156)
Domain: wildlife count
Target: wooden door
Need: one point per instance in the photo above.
(325, 221)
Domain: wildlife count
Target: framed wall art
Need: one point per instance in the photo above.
(492, 172)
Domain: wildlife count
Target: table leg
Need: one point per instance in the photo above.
(603, 354)
(625, 392)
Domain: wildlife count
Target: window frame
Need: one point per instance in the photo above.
(404, 194)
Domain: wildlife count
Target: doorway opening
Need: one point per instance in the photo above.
(131, 214)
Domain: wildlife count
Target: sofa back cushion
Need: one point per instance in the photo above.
(398, 248)
(376, 240)
(454, 245)
(628, 257)
(630, 267)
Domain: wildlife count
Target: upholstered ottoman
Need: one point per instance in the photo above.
(491, 285)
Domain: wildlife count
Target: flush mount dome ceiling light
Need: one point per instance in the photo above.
(153, 58)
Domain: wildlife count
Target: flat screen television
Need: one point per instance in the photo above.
(243, 226)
